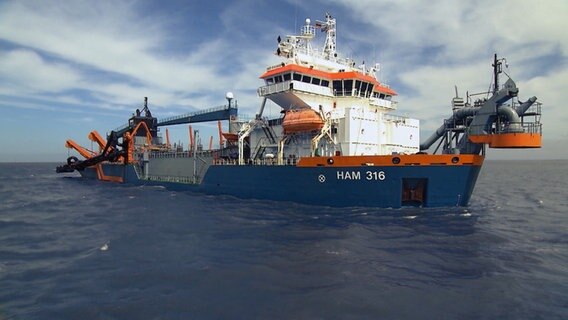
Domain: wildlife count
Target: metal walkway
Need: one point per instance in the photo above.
(218, 113)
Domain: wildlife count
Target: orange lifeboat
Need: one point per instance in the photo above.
(302, 120)
(231, 137)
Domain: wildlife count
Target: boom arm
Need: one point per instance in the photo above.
(96, 137)
(87, 154)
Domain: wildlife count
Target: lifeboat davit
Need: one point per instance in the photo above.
(302, 120)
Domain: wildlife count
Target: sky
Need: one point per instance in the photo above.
(68, 67)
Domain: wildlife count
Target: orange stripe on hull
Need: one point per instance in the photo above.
(509, 140)
(393, 160)
(101, 175)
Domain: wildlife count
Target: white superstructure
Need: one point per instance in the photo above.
(351, 104)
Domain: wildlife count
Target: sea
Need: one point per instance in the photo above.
(77, 249)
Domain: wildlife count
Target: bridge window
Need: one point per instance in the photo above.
(383, 96)
(306, 79)
(278, 79)
(338, 87)
(348, 87)
(364, 87)
(269, 80)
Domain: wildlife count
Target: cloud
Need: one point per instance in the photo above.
(111, 39)
(118, 54)
(432, 88)
(460, 31)
(25, 72)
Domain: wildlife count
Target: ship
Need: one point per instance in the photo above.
(336, 142)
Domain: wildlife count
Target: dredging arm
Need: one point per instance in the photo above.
(489, 122)
(141, 125)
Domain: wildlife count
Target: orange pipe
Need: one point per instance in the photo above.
(190, 138)
(220, 134)
(129, 146)
(167, 138)
(101, 175)
(148, 135)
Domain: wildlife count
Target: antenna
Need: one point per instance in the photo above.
(329, 27)
(497, 69)
(296, 16)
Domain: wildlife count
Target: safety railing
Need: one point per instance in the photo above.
(383, 103)
(296, 85)
(509, 127)
(257, 162)
(181, 154)
(178, 179)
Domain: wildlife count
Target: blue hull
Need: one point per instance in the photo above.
(384, 186)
